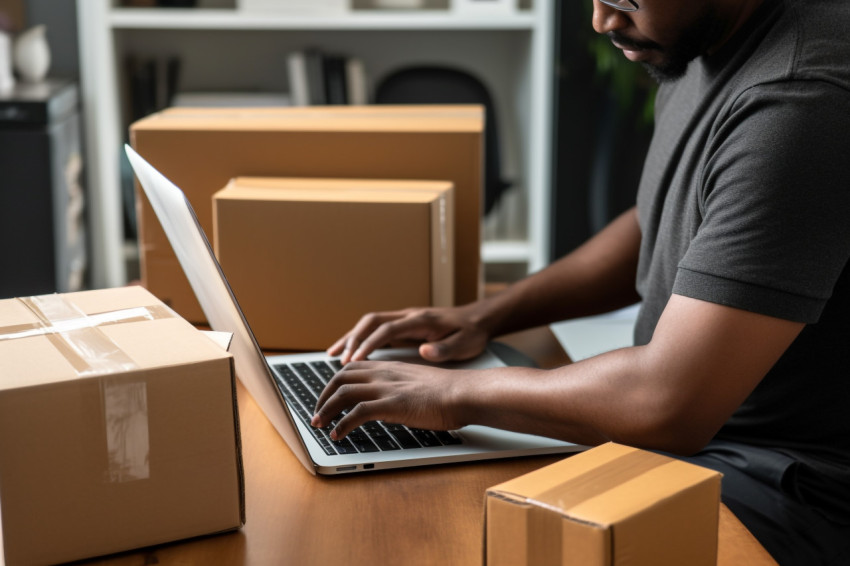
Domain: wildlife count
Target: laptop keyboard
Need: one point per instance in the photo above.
(301, 384)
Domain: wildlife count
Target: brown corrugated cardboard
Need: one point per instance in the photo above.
(610, 506)
(200, 150)
(118, 427)
(306, 258)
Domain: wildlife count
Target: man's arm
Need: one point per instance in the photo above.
(597, 277)
(672, 394)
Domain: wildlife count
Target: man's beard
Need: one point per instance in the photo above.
(694, 42)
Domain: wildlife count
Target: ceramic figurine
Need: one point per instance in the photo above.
(32, 54)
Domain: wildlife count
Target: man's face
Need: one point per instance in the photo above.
(662, 35)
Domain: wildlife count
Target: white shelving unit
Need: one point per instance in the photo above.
(230, 49)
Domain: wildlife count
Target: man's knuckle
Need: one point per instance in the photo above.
(344, 391)
(387, 327)
(359, 411)
(420, 313)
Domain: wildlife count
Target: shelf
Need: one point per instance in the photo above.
(219, 50)
(228, 19)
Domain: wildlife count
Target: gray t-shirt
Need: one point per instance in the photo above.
(745, 201)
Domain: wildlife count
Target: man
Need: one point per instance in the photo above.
(738, 249)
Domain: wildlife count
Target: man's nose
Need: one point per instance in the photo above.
(607, 19)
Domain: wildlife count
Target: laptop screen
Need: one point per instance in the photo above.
(196, 256)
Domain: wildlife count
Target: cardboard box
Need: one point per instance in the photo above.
(200, 150)
(611, 505)
(118, 427)
(306, 258)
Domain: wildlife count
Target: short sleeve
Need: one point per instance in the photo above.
(775, 203)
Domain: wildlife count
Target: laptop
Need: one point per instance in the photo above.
(285, 387)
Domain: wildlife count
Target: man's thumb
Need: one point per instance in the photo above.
(435, 351)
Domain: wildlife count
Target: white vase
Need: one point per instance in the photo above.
(7, 79)
(32, 54)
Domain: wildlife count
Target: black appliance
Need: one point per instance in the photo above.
(42, 223)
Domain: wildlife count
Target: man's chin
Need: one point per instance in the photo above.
(666, 73)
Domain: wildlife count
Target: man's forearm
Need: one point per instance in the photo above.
(591, 402)
(597, 277)
(672, 394)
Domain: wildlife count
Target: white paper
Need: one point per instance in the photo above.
(221, 339)
(586, 337)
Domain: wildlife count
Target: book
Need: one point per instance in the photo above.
(152, 84)
(298, 85)
(355, 77)
(316, 78)
(336, 89)
(314, 63)
(141, 74)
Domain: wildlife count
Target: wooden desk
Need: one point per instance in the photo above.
(422, 516)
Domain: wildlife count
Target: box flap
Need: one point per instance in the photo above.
(606, 484)
(407, 118)
(328, 195)
(333, 190)
(535, 483)
(645, 490)
(92, 333)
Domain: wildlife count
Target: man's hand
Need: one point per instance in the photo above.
(597, 277)
(672, 394)
(448, 333)
(416, 395)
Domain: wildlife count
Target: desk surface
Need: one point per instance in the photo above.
(421, 516)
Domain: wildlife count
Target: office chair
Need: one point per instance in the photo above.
(444, 85)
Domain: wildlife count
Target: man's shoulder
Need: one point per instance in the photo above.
(790, 46)
(807, 41)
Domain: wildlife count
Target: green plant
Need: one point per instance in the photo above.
(628, 82)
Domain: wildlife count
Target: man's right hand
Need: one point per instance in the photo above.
(443, 333)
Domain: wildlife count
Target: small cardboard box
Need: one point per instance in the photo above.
(118, 427)
(612, 505)
(306, 258)
(201, 150)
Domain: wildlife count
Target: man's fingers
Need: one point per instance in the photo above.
(389, 331)
(363, 412)
(338, 346)
(364, 328)
(337, 394)
(456, 346)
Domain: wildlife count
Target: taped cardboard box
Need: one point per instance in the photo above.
(200, 150)
(306, 258)
(610, 506)
(118, 427)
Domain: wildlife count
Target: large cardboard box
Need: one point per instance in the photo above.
(610, 506)
(306, 258)
(118, 427)
(200, 150)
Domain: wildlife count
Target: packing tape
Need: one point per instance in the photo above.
(77, 335)
(599, 480)
(125, 413)
(444, 238)
(91, 352)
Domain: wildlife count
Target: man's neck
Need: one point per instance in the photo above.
(736, 13)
